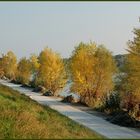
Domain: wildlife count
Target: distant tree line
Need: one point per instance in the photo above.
(92, 69)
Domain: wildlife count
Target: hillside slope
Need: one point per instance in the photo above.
(20, 117)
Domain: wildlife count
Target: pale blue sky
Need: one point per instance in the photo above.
(27, 27)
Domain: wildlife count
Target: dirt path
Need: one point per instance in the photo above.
(94, 122)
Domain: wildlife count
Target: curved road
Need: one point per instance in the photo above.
(95, 123)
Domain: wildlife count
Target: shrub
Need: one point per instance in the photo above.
(130, 87)
(24, 71)
(92, 69)
(51, 73)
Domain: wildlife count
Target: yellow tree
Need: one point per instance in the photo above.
(24, 71)
(130, 85)
(105, 69)
(9, 65)
(34, 63)
(51, 73)
(34, 68)
(82, 65)
(91, 72)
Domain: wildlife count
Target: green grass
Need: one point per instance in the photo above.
(21, 117)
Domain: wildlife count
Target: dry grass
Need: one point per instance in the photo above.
(20, 117)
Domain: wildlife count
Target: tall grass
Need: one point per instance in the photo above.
(21, 117)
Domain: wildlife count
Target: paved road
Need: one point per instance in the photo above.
(97, 124)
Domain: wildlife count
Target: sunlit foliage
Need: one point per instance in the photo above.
(34, 63)
(131, 82)
(51, 73)
(24, 71)
(92, 69)
(8, 65)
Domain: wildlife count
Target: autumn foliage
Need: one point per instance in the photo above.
(8, 65)
(51, 73)
(23, 71)
(130, 86)
(92, 69)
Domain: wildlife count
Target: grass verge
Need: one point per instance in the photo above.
(23, 118)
